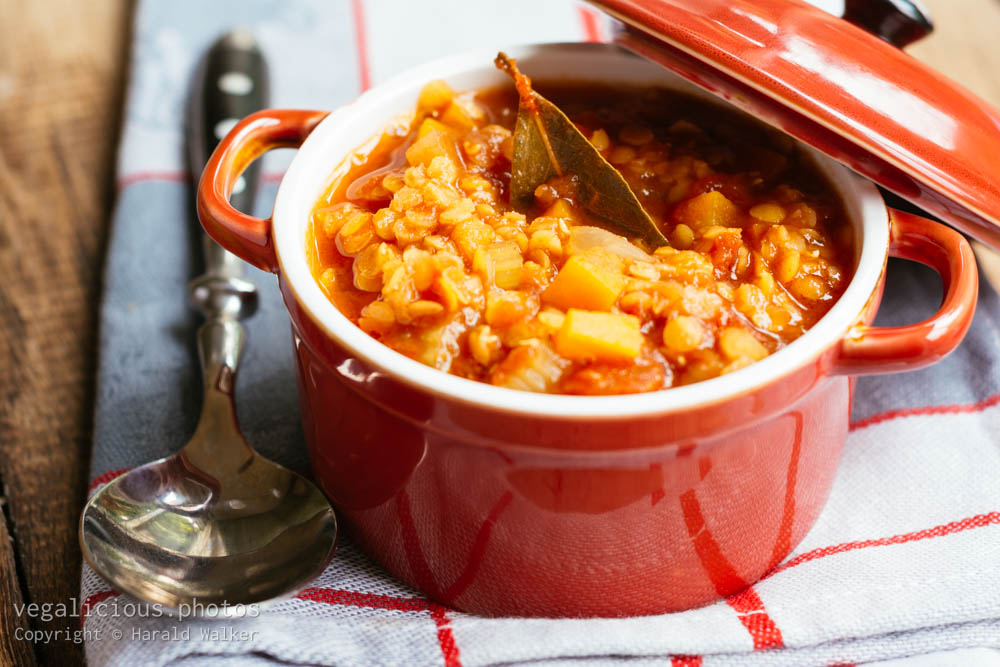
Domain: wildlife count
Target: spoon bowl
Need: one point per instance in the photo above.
(215, 523)
(173, 533)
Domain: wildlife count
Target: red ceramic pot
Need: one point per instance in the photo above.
(496, 501)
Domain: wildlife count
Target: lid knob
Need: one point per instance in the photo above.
(899, 22)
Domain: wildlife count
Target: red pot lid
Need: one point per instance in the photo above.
(838, 88)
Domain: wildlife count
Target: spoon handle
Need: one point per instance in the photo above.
(232, 83)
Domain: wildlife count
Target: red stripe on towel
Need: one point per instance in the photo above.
(105, 477)
(960, 408)
(92, 601)
(591, 24)
(369, 600)
(978, 521)
(685, 661)
(747, 604)
(439, 613)
(446, 640)
(140, 176)
(754, 617)
(718, 568)
(361, 38)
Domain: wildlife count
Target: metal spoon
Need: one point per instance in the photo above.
(216, 523)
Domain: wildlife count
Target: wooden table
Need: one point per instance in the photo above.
(61, 75)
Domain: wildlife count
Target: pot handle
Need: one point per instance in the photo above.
(245, 236)
(866, 350)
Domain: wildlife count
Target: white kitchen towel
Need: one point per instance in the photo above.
(904, 562)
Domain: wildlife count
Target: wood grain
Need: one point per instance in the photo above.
(61, 70)
(13, 649)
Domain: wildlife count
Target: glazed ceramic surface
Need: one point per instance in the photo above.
(504, 502)
(839, 88)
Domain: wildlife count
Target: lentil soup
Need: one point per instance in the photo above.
(415, 241)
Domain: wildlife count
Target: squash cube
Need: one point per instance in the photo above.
(592, 281)
(431, 145)
(429, 125)
(561, 209)
(708, 209)
(435, 96)
(586, 336)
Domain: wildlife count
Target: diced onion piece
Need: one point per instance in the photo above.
(531, 366)
(508, 265)
(439, 346)
(582, 238)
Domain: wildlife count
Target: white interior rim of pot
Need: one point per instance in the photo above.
(349, 127)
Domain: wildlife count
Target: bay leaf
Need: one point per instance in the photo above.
(548, 145)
